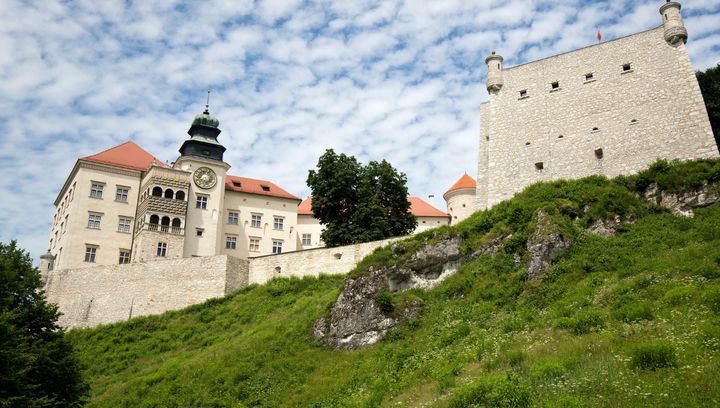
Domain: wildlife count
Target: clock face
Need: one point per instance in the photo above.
(204, 177)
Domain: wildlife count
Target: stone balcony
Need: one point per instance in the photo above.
(163, 228)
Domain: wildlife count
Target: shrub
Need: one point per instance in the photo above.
(385, 302)
(509, 391)
(548, 369)
(654, 355)
(678, 295)
(712, 299)
(633, 312)
(581, 323)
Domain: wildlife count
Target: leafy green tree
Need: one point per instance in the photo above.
(357, 203)
(710, 87)
(37, 365)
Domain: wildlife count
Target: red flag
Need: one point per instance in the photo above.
(599, 36)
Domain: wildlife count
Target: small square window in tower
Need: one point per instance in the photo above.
(598, 154)
(589, 77)
(523, 93)
(627, 67)
(555, 85)
(539, 166)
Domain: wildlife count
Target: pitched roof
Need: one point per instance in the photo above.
(255, 186)
(128, 155)
(418, 208)
(464, 182)
(305, 208)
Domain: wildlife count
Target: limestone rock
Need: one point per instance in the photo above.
(544, 245)
(356, 319)
(681, 203)
(608, 227)
(493, 247)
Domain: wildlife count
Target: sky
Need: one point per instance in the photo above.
(399, 80)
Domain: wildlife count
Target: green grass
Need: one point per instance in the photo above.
(631, 321)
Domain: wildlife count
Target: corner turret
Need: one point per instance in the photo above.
(672, 22)
(495, 76)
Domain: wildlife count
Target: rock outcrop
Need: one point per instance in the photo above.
(357, 319)
(608, 227)
(544, 245)
(681, 203)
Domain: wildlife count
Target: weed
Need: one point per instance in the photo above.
(653, 355)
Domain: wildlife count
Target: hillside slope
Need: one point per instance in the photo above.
(627, 320)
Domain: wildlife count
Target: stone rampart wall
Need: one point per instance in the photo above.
(311, 262)
(87, 297)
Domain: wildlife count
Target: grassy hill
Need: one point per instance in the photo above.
(623, 321)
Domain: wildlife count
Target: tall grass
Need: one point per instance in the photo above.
(631, 321)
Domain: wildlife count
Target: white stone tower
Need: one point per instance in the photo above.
(460, 199)
(672, 23)
(495, 73)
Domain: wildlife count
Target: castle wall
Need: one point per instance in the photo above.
(311, 262)
(87, 297)
(616, 123)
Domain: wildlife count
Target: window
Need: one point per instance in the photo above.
(162, 249)
(523, 93)
(96, 190)
(94, 221)
(596, 129)
(124, 256)
(278, 223)
(277, 247)
(539, 166)
(124, 224)
(121, 194)
(199, 232)
(307, 239)
(230, 242)
(589, 77)
(237, 184)
(599, 154)
(254, 244)
(527, 143)
(233, 217)
(265, 188)
(256, 220)
(201, 201)
(626, 68)
(90, 252)
(555, 85)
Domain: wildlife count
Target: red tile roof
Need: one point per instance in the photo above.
(418, 208)
(464, 182)
(255, 186)
(305, 208)
(128, 155)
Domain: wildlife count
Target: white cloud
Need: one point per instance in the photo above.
(380, 79)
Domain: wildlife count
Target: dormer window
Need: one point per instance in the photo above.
(237, 184)
(265, 188)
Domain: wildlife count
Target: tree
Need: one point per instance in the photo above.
(37, 365)
(710, 87)
(357, 203)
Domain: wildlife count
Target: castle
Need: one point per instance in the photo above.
(124, 205)
(611, 108)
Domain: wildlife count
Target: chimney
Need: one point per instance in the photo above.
(431, 199)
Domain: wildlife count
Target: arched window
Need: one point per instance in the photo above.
(154, 219)
(176, 222)
(165, 221)
(157, 191)
(180, 195)
(169, 193)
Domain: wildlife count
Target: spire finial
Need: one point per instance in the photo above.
(207, 104)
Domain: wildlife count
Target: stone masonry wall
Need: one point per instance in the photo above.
(311, 262)
(87, 297)
(618, 122)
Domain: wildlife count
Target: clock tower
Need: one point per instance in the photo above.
(202, 156)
